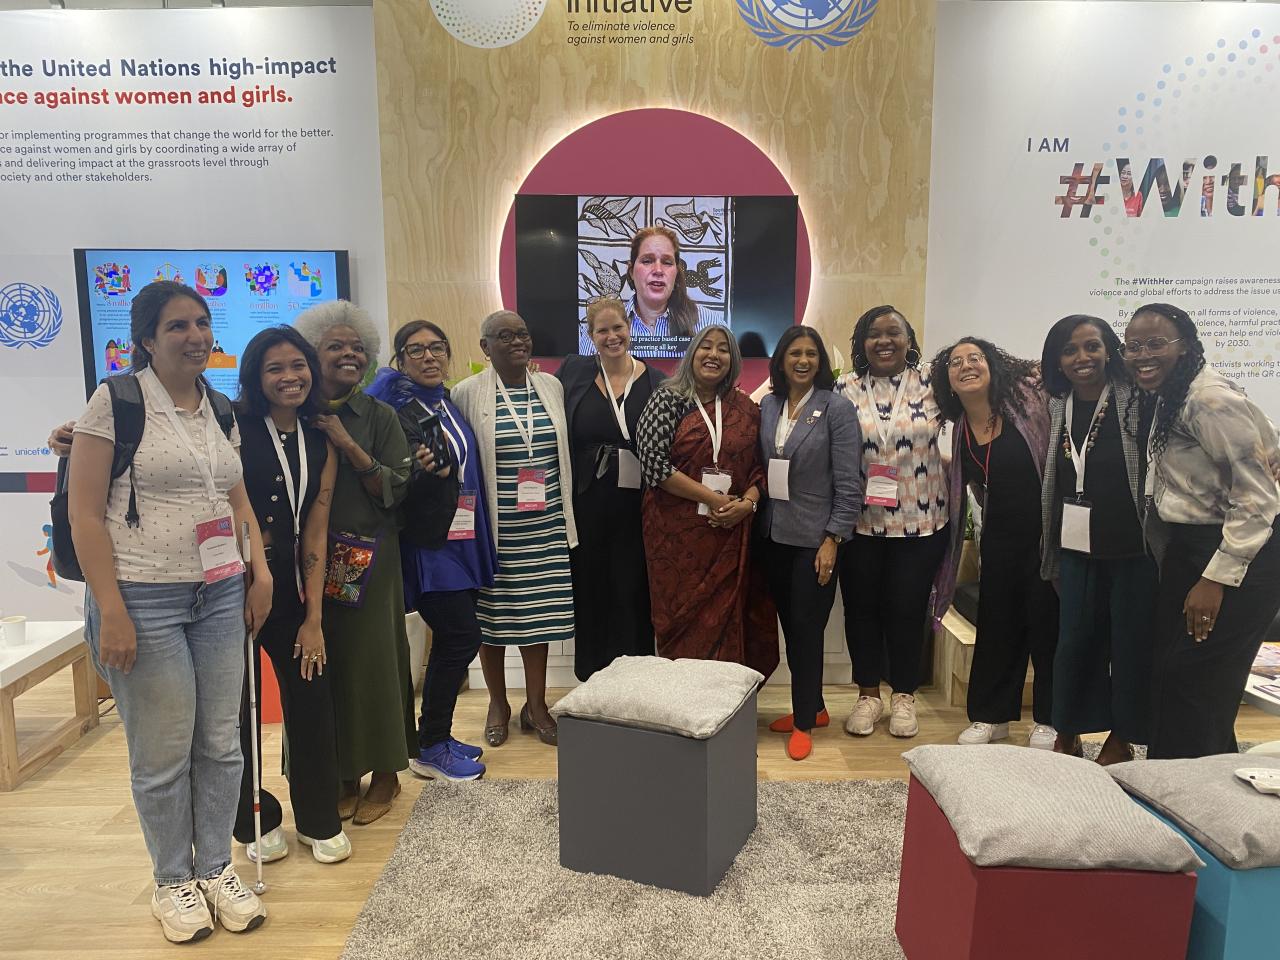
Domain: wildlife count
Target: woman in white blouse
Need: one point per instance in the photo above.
(167, 606)
(1210, 519)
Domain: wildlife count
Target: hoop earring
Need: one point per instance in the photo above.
(916, 361)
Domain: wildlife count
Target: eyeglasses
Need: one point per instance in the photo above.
(507, 337)
(977, 359)
(1153, 346)
(416, 351)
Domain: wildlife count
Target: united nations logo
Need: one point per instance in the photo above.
(789, 23)
(29, 316)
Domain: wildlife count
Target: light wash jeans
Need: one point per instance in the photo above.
(181, 710)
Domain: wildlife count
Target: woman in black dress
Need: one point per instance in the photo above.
(603, 398)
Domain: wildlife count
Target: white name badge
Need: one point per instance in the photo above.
(628, 470)
(882, 486)
(1075, 526)
(531, 490)
(779, 477)
(717, 480)
(463, 526)
(219, 558)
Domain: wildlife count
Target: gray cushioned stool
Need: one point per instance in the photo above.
(658, 771)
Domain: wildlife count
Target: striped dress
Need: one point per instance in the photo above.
(531, 600)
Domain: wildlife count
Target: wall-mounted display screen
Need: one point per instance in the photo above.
(247, 290)
(737, 255)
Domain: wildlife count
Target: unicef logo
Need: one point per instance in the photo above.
(488, 23)
(29, 316)
(789, 23)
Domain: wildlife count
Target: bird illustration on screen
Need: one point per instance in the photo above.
(607, 279)
(691, 223)
(700, 277)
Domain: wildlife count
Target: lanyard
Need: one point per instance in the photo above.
(1149, 484)
(787, 423)
(717, 431)
(525, 431)
(296, 494)
(458, 445)
(986, 467)
(884, 426)
(208, 466)
(1078, 455)
(620, 409)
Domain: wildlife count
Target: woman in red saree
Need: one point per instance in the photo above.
(699, 453)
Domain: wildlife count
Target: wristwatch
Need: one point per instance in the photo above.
(837, 540)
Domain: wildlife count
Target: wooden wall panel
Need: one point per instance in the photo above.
(461, 127)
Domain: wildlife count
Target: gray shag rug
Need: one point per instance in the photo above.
(476, 874)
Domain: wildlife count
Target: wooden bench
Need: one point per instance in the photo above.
(49, 647)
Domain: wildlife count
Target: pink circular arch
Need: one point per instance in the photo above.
(606, 156)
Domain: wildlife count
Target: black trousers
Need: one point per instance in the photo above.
(455, 640)
(1196, 687)
(803, 607)
(1017, 618)
(885, 584)
(310, 746)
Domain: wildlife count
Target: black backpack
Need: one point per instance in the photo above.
(130, 416)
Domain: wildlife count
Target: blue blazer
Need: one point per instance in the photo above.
(823, 476)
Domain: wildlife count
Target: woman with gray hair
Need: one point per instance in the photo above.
(698, 442)
(363, 617)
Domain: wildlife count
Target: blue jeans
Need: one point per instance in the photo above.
(181, 710)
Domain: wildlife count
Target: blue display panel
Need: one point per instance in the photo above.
(247, 290)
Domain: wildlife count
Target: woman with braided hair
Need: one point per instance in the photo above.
(1211, 506)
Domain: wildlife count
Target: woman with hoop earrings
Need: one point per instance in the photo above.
(887, 571)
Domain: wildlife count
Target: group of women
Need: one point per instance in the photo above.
(636, 513)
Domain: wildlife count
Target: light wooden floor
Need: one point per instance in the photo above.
(75, 878)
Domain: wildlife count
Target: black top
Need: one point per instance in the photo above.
(1114, 530)
(1011, 509)
(264, 481)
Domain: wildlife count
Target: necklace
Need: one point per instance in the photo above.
(1092, 437)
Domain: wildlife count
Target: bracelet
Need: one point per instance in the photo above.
(373, 467)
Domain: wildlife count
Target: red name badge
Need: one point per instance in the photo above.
(882, 486)
(531, 490)
(216, 541)
(463, 526)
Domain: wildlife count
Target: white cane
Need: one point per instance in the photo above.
(260, 887)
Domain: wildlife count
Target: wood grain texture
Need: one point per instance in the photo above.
(461, 127)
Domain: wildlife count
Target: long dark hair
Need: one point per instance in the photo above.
(682, 313)
(863, 327)
(1173, 392)
(1009, 375)
(144, 314)
(824, 379)
(408, 330)
(251, 399)
(1055, 381)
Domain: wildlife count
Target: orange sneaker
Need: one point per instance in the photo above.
(788, 723)
(800, 745)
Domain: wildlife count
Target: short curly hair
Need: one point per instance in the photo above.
(315, 322)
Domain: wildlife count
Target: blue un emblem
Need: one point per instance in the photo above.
(790, 23)
(29, 316)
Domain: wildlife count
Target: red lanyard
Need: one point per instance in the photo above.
(968, 442)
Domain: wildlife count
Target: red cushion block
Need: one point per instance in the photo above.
(949, 909)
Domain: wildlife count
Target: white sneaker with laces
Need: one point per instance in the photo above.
(983, 733)
(274, 847)
(234, 905)
(1043, 737)
(333, 850)
(182, 912)
(862, 721)
(902, 715)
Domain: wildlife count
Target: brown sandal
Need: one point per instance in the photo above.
(347, 802)
(369, 811)
(550, 734)
(495, 734)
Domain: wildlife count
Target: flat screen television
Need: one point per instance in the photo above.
(738, 254)
(247, 290)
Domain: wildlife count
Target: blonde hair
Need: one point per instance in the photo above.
(599, 306)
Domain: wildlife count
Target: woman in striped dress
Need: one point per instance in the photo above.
(518, 417)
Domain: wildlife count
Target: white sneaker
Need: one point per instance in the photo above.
(862, 721)
(182, 913)
(1043, 737)
(983, 733)
(902, 715)
(333, 850)
(234, 905)
(274, 847)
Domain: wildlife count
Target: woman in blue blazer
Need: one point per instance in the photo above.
(811, 441)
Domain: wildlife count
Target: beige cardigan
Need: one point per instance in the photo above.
(477, 398)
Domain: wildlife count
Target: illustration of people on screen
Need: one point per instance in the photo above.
(117, 354)
(217, 347)
(47, 530)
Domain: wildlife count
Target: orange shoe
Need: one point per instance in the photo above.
(800, 745)
(788, 723)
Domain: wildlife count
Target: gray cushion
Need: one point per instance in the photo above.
(1013, 806)
(1225, 815)
(693, 698)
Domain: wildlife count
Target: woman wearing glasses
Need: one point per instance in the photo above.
(1210, 519)
(518, 416)
(998, 449)
(450, 558)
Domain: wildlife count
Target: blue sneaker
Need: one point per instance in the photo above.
(465, 749)
(439, 762)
